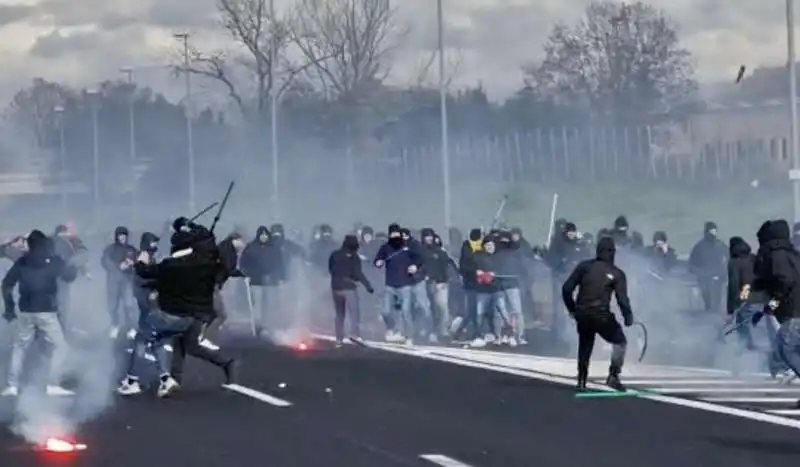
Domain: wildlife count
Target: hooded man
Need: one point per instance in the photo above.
(777, 276)
(259, 263)
(117, 261)
(37, 273)
(708, 261)
(401, 262)
(229, 250)
(72, 250)
(565, 253)
(596, 279)
(439, 267)
(741, 273)
(185, 283)
(321, 248)
(344, 267)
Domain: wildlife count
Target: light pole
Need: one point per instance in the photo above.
(794, 174)
(128, 72)
(448, 220)
(62, 158)
(273, 95)
(184, 37)
(93, 95)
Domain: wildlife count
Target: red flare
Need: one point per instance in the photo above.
(61, 445)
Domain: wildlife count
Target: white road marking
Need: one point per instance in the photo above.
(752, 400)
(565, 381)
(689, 382)
(707, 390)
(442, 460)
(792, 412)
(257, 395)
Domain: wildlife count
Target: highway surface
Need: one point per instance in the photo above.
(382, 407)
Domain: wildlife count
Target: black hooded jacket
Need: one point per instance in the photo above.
(117, 253)
(596, 279)
(740, 271)
(260, 259)
(776, 268)
(36, 274)
(344, 266)
(228, 259)
(185, 281)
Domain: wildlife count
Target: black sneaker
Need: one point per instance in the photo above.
(614, 383)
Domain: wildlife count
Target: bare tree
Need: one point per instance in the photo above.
(347, 44)
(426, 77)
(620, 58)
(263, 37)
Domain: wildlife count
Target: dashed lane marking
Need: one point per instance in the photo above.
(443, 461)
(257, 395)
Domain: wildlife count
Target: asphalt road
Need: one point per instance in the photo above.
(368, 407)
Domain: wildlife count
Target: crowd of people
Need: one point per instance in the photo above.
(474, 291)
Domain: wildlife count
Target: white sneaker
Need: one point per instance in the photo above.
(56, 390)
(168, 387)
(504, 340)
(208, 344)
(478, 343)
(129, 387)
(522, 341)
(433, 338)
(10, 391)
(409, 342)
(168, 348)
(113, 333)
(489, 338)
(389, 337)
(512, 341)
(786, 378)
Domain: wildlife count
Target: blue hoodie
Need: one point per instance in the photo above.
(398, 256)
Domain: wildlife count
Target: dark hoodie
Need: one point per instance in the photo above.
(398, 255)
(776, 268)
(142, 287)
(36, 273)
(710, 255)
(596, 279)
(115, 254)
(438, 263)
(228, 259)
(285, 250)
(740, 271)
(321, 248)
(344, 266)
(260, 259)
(185, 280)
(466, 259)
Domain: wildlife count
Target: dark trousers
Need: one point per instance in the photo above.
(345, 303)
(589, 325)
(711, 293)
(188, 342)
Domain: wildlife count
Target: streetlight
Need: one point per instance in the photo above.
(443, 110)
(794, 174)
(184, 37)
(93, 104)
(128, 72)
(273, 94)
(62, 157)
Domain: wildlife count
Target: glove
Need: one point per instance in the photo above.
(370, 290)
(628, 321)
(9, 316)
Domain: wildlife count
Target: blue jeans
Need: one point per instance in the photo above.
(788, 344)
(422, 305)
(397, 300)
(744, 329)
(513, 301)
(491, 306)
(156, 330)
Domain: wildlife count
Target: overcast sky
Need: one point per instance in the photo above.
(84, 41)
